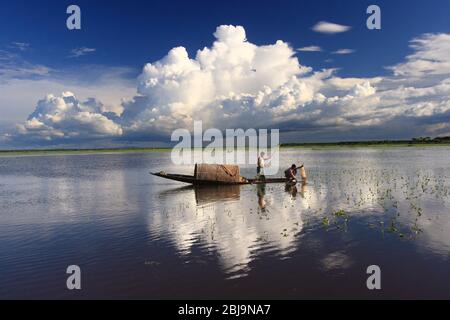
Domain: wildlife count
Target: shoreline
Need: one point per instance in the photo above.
(325, 146)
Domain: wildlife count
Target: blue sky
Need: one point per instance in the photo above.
(119, 37)
(133, 33)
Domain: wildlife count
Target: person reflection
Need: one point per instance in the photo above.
(292, 189)
(261, 192)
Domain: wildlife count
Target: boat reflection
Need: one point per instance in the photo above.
(211, 194)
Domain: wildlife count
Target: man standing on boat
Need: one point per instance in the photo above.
(261, 163)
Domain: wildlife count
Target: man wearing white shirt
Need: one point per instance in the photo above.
(261, 163)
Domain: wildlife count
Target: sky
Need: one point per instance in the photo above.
(137, 70)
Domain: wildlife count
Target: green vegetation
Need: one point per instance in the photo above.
(340, 213)
(422, 141)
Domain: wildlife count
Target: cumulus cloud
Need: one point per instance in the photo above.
(65, 117)
(237, 84)
(330, 28)
(232, 76)
(430, 57)
(339, 83)
(23, 83)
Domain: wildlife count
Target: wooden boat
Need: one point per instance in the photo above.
(194, 181)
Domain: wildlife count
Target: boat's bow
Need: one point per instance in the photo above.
(175, 177)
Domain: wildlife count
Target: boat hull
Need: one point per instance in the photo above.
(192, 180)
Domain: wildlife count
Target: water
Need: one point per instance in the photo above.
(139, 236)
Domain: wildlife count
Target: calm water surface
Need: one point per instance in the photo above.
(139, 236)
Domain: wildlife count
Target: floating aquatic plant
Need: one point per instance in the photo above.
(340, 213)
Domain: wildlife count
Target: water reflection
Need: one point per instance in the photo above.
(212, 194)
(238, 223)
(108, 214)
(292, 189)
(261, 192)
(242, 223)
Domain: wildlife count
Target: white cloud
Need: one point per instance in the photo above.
(79, 52)
(344, 51)
(177, 89)
(310, 49)
(363, 90)
(235, 83)
(12, 66)
(430, 57)
(65, 117)
(349, 83)
(330, 28)
(21, 86)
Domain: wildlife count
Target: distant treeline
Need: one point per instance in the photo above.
(414, 141)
